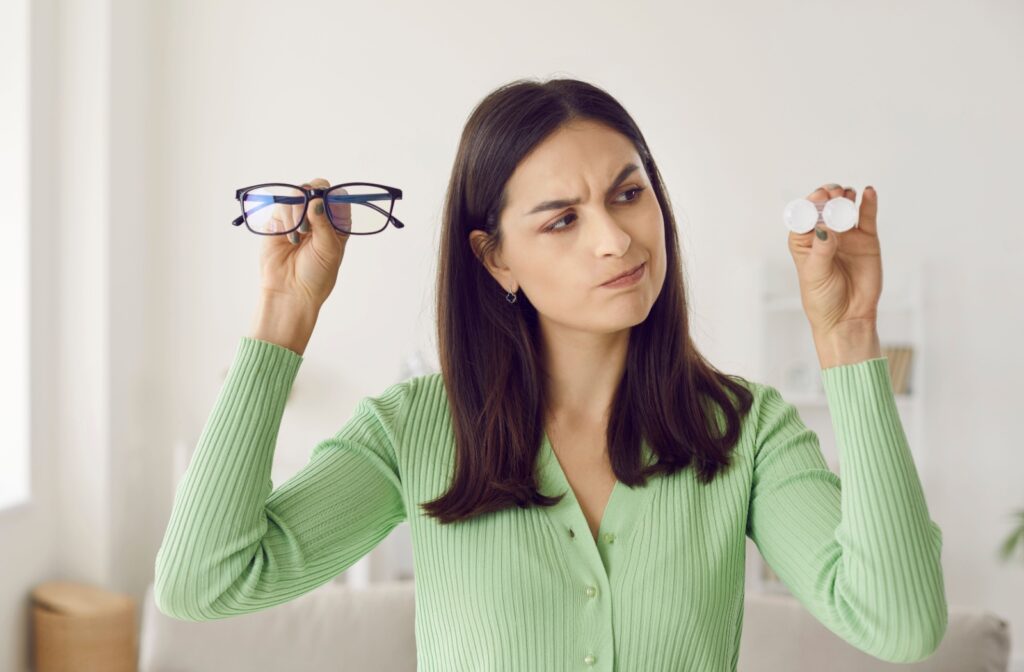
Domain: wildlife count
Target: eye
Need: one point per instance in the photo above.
(555, 229)
(632, 189)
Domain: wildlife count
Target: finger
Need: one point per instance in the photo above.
(279, 223)
(340, 212)
(321, 215)
(294, 212)
(303, 226)
(819, 197)
(867, 220)
(822, 195)
(315, 211)
(850, 193)
(828, 191)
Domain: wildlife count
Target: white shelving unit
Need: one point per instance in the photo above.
(789, 363)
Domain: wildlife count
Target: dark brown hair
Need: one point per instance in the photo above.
(489, 350)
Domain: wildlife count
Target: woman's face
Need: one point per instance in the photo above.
(560, 252)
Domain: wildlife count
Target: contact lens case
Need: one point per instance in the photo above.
(838, 214)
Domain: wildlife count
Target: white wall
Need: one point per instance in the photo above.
(149, 115)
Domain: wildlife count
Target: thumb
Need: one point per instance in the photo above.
(823, 249)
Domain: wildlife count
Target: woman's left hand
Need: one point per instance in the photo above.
(841, 276)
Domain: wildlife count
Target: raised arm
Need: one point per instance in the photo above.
(863, 555)
(234, 545)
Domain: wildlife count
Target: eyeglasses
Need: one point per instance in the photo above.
(353, 208)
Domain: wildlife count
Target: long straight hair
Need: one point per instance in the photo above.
(489, 349)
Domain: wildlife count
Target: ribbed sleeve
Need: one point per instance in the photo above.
(659, 589)
(863, 555)
(234, 544)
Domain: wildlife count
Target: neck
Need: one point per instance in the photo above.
(584, 371)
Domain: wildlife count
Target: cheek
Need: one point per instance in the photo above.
(657, 219)
(556, 285)
(654, 241)
(545, 271)
(652, 231)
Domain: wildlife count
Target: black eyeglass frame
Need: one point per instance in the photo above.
(394, 194)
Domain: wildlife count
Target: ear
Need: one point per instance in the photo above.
(491, 260)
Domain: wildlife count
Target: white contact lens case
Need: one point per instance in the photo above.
(838, 214)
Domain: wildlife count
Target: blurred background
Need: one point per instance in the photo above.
(127, 126)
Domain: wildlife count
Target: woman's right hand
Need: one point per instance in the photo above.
(303, 266)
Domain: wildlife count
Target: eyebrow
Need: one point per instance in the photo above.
(563, 202)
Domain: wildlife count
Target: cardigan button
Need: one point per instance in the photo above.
(590, 659)
(591, 591)
(609, 538)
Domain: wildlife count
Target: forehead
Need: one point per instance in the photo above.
(585, 150)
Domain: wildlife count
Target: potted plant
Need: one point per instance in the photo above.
(1016, 537)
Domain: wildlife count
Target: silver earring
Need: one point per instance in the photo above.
(510, 297)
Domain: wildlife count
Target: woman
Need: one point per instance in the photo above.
(544, 471)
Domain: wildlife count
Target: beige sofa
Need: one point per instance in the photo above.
(336, 627)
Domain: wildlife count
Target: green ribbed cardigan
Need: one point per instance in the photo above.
(529, 589)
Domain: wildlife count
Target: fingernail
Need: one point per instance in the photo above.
(304, 226)
(319, 208)
(822, 234)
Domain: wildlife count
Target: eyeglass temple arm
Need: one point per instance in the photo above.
(365, 200)
(398, 224)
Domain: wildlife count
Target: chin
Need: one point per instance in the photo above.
(626, 318)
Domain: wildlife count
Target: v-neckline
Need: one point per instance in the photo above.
(616, 484)
(620, 512)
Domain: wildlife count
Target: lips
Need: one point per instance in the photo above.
(622, 275)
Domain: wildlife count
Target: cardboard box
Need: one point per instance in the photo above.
(81, 628)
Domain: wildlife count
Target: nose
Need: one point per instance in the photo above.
(612, 237)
